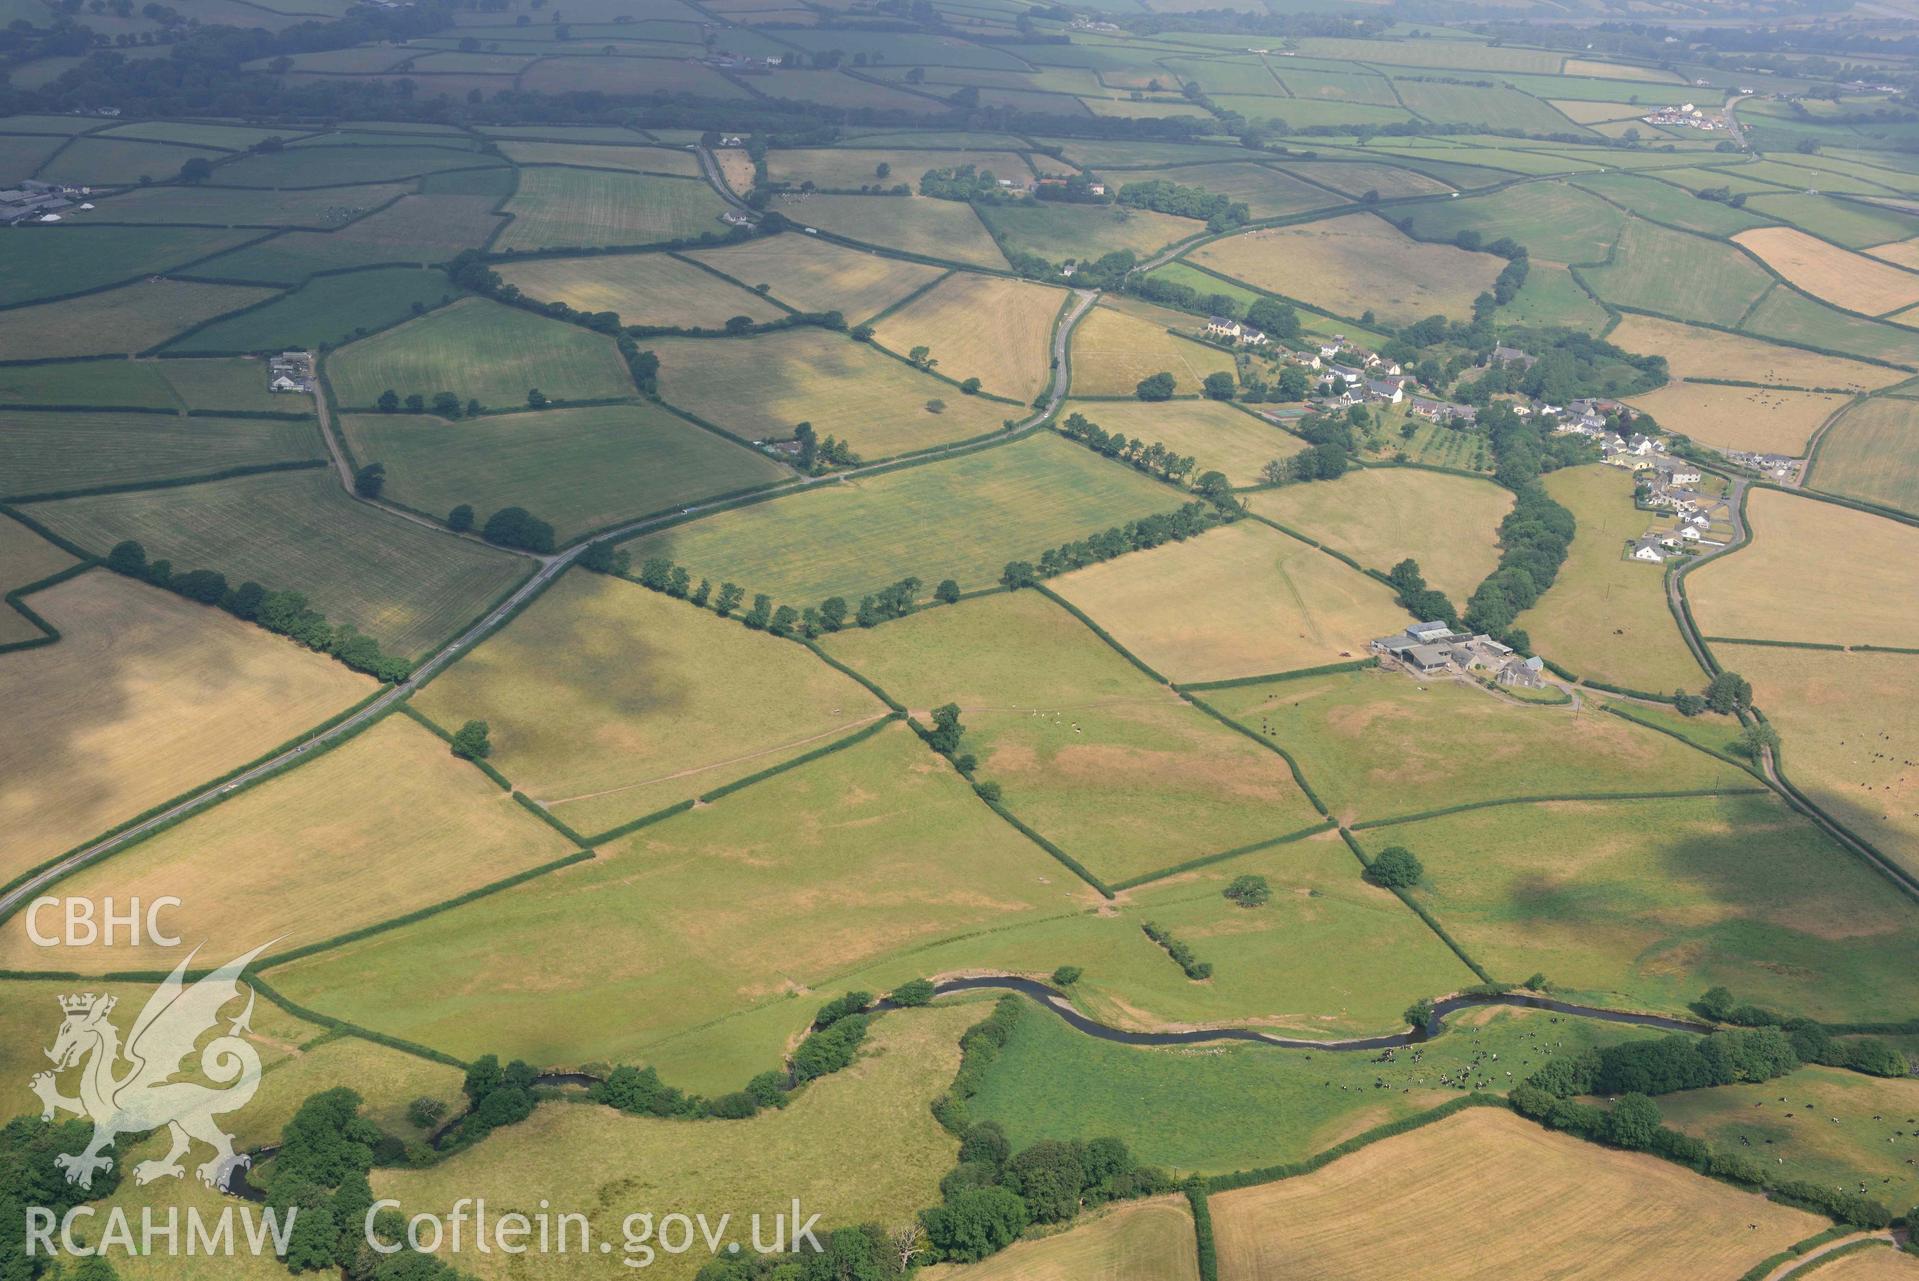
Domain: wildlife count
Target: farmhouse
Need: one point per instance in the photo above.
(1435, 647)
(290, 371)
(1504, 355)
(1389, 390)
(1222, 326)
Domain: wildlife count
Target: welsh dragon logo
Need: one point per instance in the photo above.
(132, 1089)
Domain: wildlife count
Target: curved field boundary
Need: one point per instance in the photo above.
(16, 599)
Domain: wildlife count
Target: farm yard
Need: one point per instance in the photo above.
(731, 666)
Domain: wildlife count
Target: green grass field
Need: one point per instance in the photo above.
(1057, 232)
(961, 519)
(1454, 744)
(1556, 222)
(415, 231)
(825, 867)
(1213, 1109)
(249, 207)
(327, 310)
(26, 558)
(45, 262)
(1848, 222)
(341, 165)
(1648, 903)
(635, 725)
(589, 208)
(47, 452)
(1659, 199)
(1094, 755)
(942, 229)
(580, 469)
(235, 383)
(131, 318)
(1872, 452)
(1268, 193)
(1220, 438)
(645, 289)
(1795, 318)
(118, 162)
(481, 350)
(1356, 178)
(758, 388)
(404, 586)
(818, 275)
(1381, 516)
(1245, 600)
(1606, 616)
(1687, 277)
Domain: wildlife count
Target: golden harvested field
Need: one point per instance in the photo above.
(645, 289)
(1850, 739)
(737, 170)
(1120, 342)
(131, 318)
(874, 1117)
(1882, 1263)
(1708, 353)
(1354, 264)
(319, 846)
(833, 167)
(25, 557)
(818, 275)
(145, 696)
(1132, 1241)
(987, 327)
(1640, 646)
(1841, 277)
(1762, 419)
(1380, 516)
(759, 388)
(1244, 600)
(1903, 252)
(942, 229)
(1487, 1194)
(1220, 437)
(1814, 571)
(662, 701)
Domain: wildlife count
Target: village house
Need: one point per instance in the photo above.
(1343, 373)
(1389, 390)
(1222, 327)
(1252, 337)
(1441, 411)
(1503, 355)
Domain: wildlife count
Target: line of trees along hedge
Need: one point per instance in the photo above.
(285, 613)
(1135, 535)
(1421, 601)
(1196, 969)
(1154, 459)
(1219, 212)
(1536, 535)
(994, 1193)
(1813, 1042)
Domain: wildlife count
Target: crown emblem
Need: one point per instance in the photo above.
(84, 1002)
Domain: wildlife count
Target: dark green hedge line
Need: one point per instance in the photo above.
(16, 599)
(177, 482)
(1557, 670)
(1203, 1230)
(1775, 644)
(1299, 775)
(1879, 860)
(546, 816)
(66, 545)
(1100, 632)
(805, 758)
(1883, 649)
(72, 408)
(261, 986)
(1237, 682)
(438, 731)
(1072, 864)
(645, 820)
(1422, 815)
(1320, 1160)
(1625, 691)
(850, 674)
(1420, 911)
(1206, 860)
(1625, 713)
(421, 914)
(277, 415)
(1798, 1249)
(207, 788)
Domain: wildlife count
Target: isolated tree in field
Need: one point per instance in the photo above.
(1396, 868)
(1249, 890)
(1420, 1013)
(471, 743)
(1066, 975)
(535, 398)
(946, 732)
(517, 527)
(1219, 385)
(731, 594)
(370, 480)
(947, 593)
(1018, 574)
(970, 387)
(1728, 692)
(389, 401)
(922, 356)
(460, 519)
(936, 406)
(128, 558)
(882, 170)
(1155, 387)
(198, 169)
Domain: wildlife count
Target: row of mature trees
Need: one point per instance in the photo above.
(1135, 535)
(1329, 452)
(446, 404)
(660, 574)
(1219, 212)
(1154, 459)
(508, 527)
(1536, 535)
(1181, 952)
(285, 613)
(1418, 599)
(1810, 1040)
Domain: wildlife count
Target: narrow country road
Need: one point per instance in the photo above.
(1806, 1261)
(550, 568)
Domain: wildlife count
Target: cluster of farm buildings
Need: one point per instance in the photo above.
(1436, 649)
(290, 371)
(1688, 115)
(33, 201)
